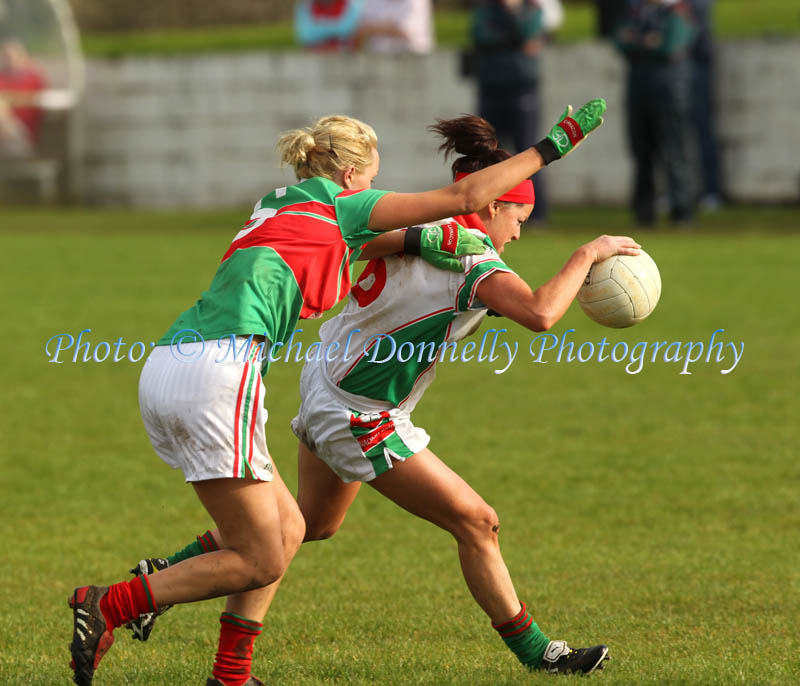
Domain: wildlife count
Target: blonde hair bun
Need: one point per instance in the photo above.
(330, 144)
(294, 146)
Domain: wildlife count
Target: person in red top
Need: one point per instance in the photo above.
(20, 119)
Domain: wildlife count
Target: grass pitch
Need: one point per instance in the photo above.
(656, 512)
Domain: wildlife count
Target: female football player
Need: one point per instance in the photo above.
(292, 260)
(354, 423)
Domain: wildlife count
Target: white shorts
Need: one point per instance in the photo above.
(204, 410)
(357, 445)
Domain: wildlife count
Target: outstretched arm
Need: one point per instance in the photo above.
(463, 197)
(395, 210)
(539, 310)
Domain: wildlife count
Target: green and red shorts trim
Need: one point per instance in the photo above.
(377, 436)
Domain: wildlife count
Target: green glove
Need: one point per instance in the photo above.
(442, 245)
(570, 131)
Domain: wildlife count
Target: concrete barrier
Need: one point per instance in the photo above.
(169, 132)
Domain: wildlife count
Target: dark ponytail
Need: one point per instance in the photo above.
(473, 138)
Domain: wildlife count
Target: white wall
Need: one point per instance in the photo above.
(200, 130)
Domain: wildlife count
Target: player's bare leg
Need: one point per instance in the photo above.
(255, 603)
(428, 488)
(248, 518)
(322, 496)
(322, 501)
(240, 624)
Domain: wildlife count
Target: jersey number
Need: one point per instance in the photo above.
(370, 283)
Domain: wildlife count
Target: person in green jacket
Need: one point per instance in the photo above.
(655, 37)
(508, 37)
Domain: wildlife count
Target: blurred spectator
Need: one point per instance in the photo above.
(703, 103)
(656, 38)
(397, 26)
(508, 39)
(380, 26)
(610, 14)
(20, 118)
(327, 25)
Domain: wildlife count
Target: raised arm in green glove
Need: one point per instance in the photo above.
(442, 245)
(571, 129)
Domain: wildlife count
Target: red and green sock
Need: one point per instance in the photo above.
(205, 543)
(523, 636)
(127, 600)
(235, 654)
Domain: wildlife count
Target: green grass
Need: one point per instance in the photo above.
(733, 19)
(656, 512)
(187, 41)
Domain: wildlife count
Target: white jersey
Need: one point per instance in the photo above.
(400, 315)
(411, 19)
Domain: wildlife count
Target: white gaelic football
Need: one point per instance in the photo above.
(621, 290)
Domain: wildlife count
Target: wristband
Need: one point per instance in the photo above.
(412, 243)
(547, 150)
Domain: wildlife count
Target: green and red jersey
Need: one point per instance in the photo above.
(292, 260)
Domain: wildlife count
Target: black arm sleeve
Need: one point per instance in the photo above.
(413, 240)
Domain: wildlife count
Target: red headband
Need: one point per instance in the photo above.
(522, 194)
